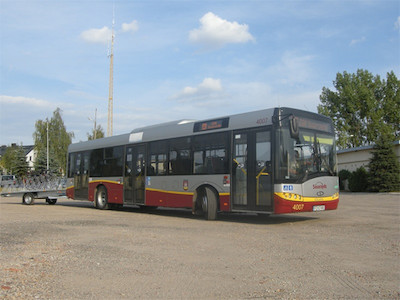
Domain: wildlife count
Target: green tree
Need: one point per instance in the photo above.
(59, 138)
(41, 162)
(14, 161)
(8, 159)
(384, 168)
(21, 165)
(98, 134)
(362, 106)
(391, 103)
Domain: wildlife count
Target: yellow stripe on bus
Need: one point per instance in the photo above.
(179, 193)
(298, 198)
(108, 181)
(169, 192)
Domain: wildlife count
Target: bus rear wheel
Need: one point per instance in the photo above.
(209, 203)
(101, 198)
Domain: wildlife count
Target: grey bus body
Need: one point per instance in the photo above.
(250, 165)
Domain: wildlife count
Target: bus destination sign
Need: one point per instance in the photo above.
(211, 125)
(314, 124)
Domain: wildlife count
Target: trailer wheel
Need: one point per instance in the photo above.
(209, 203)
(101, 198)
(28, 199)
(51, 201)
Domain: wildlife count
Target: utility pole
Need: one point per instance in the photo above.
(110, 90)
(47, 138)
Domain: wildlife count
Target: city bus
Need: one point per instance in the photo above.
(272, 161)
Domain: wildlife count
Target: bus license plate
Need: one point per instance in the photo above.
(318, 207)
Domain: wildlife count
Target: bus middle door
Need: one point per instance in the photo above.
(134, 177)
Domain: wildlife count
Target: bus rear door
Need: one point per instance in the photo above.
(81, 175)
(251, 171)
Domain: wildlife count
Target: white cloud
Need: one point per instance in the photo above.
(102, 35)
(209, 88)
(133, 26)
(357, 41)
(292, 68)
(397, 23)
(28, 102)
(215, 32)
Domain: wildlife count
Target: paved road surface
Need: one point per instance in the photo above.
(71, 250)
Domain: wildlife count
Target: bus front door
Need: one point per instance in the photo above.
(81, 176)
(251, 171)
(134, 177)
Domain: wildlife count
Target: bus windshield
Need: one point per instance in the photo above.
(312, 154)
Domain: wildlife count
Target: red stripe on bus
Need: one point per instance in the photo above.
(70, 192)
(168, 199)
(115, 191)
(224, 202)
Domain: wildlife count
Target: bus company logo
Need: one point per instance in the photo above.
(319, 186)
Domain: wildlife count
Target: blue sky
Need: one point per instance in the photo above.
(181, 59)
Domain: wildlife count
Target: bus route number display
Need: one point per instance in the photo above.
(211, 125)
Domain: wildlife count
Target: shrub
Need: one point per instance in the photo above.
(358, 181)
(343, 176)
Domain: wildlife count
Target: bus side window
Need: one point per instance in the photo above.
(211, 154)
(96, 162)
(157, 162)
(71, 161)
(180, 161)
(108, 165)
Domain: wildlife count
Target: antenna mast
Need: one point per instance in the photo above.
(110, 88)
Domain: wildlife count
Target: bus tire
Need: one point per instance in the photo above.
(209, 203)
(51, 201)
(28, 199)
(101, 198)
(147, 207)
(197, 203)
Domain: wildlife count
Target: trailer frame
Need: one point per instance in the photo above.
(29, 196)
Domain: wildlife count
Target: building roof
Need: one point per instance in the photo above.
(362, 148)
(4, 148)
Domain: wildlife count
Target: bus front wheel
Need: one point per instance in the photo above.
(209, 203)
(101, 198)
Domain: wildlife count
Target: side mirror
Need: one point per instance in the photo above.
(294, 128)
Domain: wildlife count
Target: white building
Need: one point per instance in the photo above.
(353, 158)
(31, 155)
